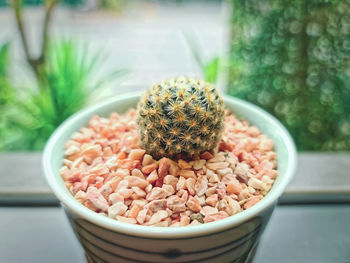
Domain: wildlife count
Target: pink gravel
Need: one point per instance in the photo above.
(106, 171)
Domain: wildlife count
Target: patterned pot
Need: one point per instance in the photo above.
(229, 240)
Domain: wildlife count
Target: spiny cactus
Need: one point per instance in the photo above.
(180, 116)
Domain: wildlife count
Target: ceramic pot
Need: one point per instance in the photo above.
(229, 240)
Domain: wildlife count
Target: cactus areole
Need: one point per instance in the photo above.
(180, 117)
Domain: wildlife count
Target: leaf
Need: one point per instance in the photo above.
(4, 51)
(211, 70)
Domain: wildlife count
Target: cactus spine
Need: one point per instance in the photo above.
(180, 116)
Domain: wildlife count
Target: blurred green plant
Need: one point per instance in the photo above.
(209, 68)
(72, 76)
(293, 59)
(67, 76)
(115, 5)
(6, 92)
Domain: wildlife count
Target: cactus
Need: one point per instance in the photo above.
(180, 117)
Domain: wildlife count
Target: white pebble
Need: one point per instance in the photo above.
(256, 183)
(117, 209)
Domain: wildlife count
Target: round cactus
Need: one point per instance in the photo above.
(180, 117)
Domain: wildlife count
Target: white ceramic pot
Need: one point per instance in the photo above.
(228, 240)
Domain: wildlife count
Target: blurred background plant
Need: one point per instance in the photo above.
(293, 59)
(67, 76)
(115, 5)
(73, 78)
(6, 92)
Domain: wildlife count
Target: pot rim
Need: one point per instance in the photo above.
(68, 200)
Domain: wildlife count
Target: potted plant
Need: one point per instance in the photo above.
(179, 121)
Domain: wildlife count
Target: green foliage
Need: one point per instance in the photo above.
(72, 78)
(293, 59)
(211, 70)
(5, 88)
(116, 5)
(180, 116)
(6, 92)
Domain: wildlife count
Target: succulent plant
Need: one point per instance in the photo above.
(180, 117)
